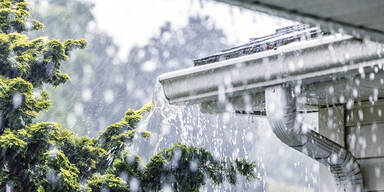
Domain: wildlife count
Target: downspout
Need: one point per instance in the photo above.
(280, 104)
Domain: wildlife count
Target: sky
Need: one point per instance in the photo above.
(133, 22)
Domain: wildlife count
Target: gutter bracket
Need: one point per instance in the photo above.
(286, 123)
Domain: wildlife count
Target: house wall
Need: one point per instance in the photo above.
(364, 128)
(361, 131)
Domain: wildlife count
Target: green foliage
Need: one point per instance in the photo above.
(186, 169)
(26, 64)
(109, 181)
(45, 157)
(61, 175)
(36, 61)
(14, 17)
(18, 104)
(11, 141)
(118, 136)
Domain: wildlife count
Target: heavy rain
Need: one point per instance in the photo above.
(191, 95)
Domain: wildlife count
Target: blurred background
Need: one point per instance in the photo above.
(130, 43)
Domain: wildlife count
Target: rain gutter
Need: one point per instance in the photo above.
(311, 61)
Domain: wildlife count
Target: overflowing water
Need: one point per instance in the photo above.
(228, 135)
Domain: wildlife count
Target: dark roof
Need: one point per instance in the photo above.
(359, 18)
(281, 37)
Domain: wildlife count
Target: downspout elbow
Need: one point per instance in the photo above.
(281, 111)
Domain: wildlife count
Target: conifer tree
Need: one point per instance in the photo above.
(42, 156)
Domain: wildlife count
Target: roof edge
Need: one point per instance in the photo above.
(325, 24)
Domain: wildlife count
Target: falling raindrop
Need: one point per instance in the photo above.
(134, 185)
(17, 100)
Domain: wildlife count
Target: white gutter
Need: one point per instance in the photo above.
(296, 61)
